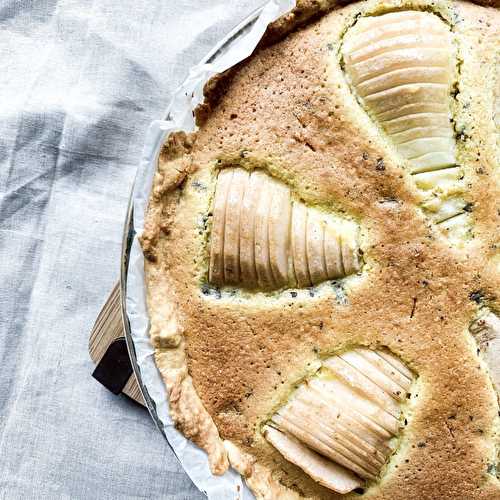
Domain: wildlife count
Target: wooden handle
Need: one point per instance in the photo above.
(107, 329)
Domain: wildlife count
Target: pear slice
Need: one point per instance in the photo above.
(396, 363)
(414, 109)
(315, 249)
(403, 76)
(323, 471)
(374, 357)
(371, 418)
(427, 153)
(248, 273)
(389, 99)
(422, 133)
(333, 253)
(232, 226)
(357, 45)
(374, 374)
(329, 428)
(418, 147)
(398, 59)
(457, 227)
(434, 160)
(349, 250)
(216, 265)
(358, 38)
(410, 40)
(394, 30)
(262, 260)
(279, 232)
(368, 435)
(299, 249)
(417, 120)
(360, 382)
(404, 79)
(412, 17)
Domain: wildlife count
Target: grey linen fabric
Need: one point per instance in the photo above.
(80, 81)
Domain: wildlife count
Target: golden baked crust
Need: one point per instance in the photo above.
(231, 357)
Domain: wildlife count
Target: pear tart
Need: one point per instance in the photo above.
(323, 257)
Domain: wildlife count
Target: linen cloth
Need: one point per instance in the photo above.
(80, 82)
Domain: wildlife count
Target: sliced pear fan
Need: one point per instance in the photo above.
(402, 66)
(339, 425)
(262, 238)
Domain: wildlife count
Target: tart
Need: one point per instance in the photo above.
(322, 256)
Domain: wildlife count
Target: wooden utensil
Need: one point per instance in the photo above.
(108, 350)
